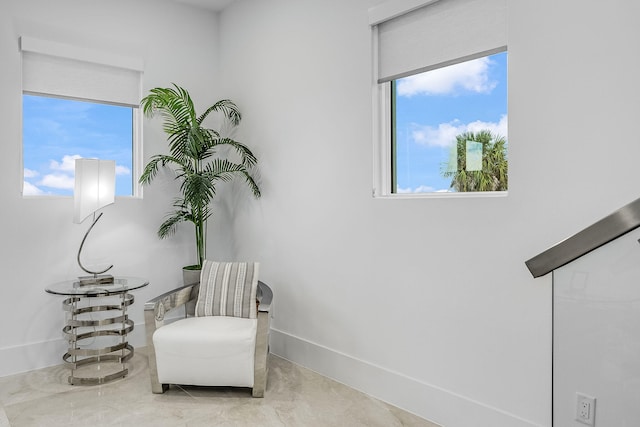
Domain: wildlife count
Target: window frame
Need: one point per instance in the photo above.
(384, 160)
(136, 144)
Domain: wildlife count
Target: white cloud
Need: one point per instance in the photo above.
(68, 163)
(122, 170)
(444, 135)
(470, 76)
(29, 189)
(499, 128)
(421, 189)
(29, 173)
(441, 136)
(57, 180)
(62, 173)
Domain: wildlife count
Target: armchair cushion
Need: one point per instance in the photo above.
(228, 289)
(216, 350)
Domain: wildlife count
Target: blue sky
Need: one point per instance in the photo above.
(57, 131)
(433, 107)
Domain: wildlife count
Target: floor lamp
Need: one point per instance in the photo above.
(95, 182)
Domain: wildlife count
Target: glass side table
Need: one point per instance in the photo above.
(96, 328)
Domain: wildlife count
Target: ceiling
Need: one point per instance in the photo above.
(213, 5)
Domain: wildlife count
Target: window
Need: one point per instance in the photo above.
(450, 127)
(440, 80)
(78, 103)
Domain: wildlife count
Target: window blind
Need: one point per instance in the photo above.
(438, 34)
(50, 68)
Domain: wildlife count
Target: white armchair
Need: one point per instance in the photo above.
(223, 339)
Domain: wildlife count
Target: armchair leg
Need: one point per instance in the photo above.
(257, 393)
(159, 389)
(156, 386)
(262, 351)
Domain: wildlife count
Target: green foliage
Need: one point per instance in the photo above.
(493, 176)
(194, 154)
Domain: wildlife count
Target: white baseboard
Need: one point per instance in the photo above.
(425, 400)
(27, 357)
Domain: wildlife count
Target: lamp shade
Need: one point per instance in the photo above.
(95, 184)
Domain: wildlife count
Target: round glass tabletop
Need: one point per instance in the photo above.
(121, 284)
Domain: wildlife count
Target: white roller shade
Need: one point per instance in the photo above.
(63, 70)
(438, 34)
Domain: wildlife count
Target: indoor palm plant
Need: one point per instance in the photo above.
(196, 156)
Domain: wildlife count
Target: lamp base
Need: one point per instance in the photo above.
(96, 279)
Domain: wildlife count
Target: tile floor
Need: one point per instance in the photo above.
(295, 396)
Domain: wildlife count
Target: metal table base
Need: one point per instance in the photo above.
(96, 329)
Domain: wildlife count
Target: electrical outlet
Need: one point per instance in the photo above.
(586, 409)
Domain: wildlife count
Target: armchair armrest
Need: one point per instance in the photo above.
(170, 300)
(154, 313)
(264, 296)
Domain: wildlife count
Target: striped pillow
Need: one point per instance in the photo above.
(228, 289)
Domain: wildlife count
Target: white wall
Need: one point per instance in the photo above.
(38, 242)
(427, 303)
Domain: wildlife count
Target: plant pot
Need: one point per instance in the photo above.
(191, 274)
